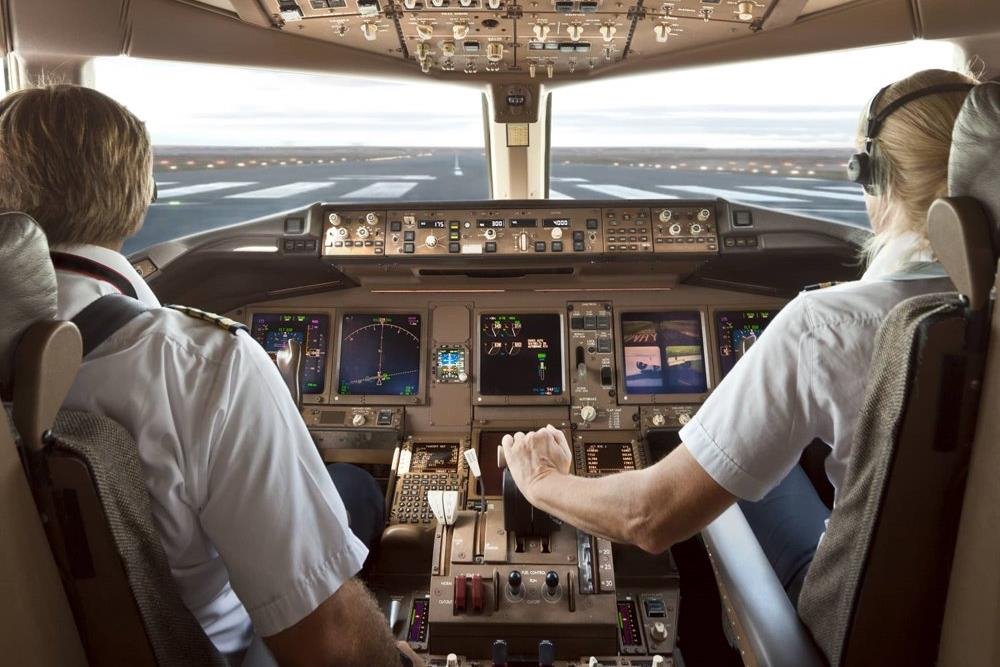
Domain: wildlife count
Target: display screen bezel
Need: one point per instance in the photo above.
(381, 399)
(626, 398)
(491, 399)
(331, 314)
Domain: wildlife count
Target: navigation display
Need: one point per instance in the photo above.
(605, 458)
(274, 330)
(379, 355)
(738, 331)
(664, 353)
(520, 354)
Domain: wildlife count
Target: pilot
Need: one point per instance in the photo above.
(257, 536)
(804, 379)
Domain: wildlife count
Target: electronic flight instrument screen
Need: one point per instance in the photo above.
(738, 330)
(664, 353)
(379, 354)
(274, 330)
(520, 354)
(606, 458)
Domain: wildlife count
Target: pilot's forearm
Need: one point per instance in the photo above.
(651, 508)
(606, 506)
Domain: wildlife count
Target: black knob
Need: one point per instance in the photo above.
(499, 653)
(546, 650)
(552, 580)
(514, 580)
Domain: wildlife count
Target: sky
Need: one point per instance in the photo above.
(803, 101)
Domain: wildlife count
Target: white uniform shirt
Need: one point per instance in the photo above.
(805, 377)
(253, 527)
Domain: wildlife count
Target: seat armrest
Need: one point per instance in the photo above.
(767, 625)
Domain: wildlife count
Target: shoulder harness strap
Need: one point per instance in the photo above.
(230, 325)
(102, 318)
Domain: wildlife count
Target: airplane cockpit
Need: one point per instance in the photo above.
(415, 334)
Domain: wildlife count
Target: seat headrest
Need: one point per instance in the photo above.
(974, 163)
(27, 284)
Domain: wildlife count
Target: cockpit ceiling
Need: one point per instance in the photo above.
(541, 39)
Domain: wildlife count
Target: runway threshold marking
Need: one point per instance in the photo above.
(186, 190)
(381, 190)
(732, 195)
(282, 191)
(625, 192)
(555, 194)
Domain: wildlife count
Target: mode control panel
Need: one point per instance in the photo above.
(353, 232)
(628, 230)
(494, 232)
(685, 229)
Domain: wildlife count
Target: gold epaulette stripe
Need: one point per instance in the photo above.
(230, 325)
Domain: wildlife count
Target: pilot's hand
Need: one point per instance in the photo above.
(534, 456)
(405, 649)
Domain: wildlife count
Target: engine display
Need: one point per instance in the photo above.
(520, 354)
(379, 355)
(274, 330)
(737, 331)
(664, 353)
(606, 458)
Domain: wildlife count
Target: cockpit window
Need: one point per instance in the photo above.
(232, 144)
(771, 133)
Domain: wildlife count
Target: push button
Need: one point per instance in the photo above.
(454, 247)
(539, 246)
(408, 248)
(603, 344)
(579, 246)
(576, 322)
(395, 226)
(491, 246)
(557, 246)
(409, 236)
(592, 223)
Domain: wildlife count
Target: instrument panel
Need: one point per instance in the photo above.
(578, 231)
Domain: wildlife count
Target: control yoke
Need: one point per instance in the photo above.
(519, 516)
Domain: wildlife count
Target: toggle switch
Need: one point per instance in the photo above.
(552, 582)
(460, 30)
(608, 31)
(498, 653)
(514, 580)
(541, 31)
(369, 30)
(575, 31)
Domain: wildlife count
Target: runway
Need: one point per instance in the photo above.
(195, 200)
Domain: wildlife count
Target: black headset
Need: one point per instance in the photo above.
(865, 168)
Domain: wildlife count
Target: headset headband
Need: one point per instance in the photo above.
(876, 120)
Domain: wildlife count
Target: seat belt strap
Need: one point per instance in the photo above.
(102, 318)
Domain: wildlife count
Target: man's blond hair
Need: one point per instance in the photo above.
(76, 161)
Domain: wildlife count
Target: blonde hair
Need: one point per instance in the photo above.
(75, 160)
(911, 155)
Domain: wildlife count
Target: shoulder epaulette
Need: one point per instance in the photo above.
(232, 326)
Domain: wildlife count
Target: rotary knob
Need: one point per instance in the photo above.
(683, 418)
(334, 219)
(342, 232)
(430, 241)
(658, 631)
(696, 228)
(490, 234)
(358, 420)
(674, 229)
(362, 232)
(666, 215)
(463, 376)
(557, 233)
(371, 218)
(451, 660)
(704, 214)
(588, 413)
(659, 420)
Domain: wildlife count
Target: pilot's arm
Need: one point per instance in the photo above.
(741, 443)
(271, 510)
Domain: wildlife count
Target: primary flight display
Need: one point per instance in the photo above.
(379, 354)
(274, 330)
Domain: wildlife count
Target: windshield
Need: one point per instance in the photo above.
(231, 144)
(773, 133)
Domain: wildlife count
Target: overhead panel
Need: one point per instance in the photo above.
(540, 39)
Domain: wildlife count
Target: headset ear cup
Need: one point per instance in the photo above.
(859, 169)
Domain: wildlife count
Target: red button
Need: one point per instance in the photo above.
(459, 604)
(477, 593)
